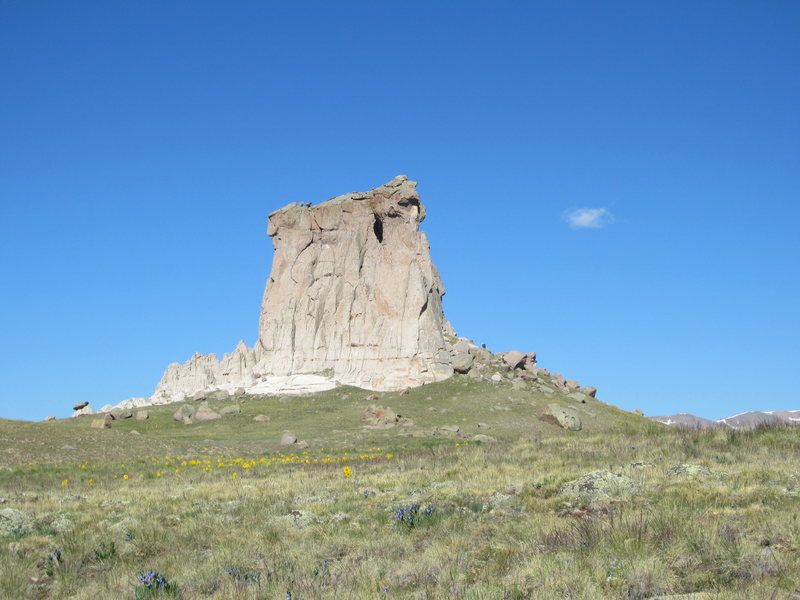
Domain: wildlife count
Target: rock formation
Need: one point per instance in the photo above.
(352, 298)
(353, 292)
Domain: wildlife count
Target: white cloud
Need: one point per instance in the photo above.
(588, 218)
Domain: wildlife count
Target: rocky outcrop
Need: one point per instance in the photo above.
(353, 292)
(599, 486)
(353, 298)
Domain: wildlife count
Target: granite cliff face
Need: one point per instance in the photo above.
(353, 292)
(352, 298)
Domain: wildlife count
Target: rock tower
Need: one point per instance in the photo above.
(353, 292)
(353, 298)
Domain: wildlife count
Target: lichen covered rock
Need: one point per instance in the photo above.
(599, 486)
(15, 522)
(561, 416)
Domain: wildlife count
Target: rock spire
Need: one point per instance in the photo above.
(353, 292)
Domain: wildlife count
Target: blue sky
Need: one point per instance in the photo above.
(143, 144)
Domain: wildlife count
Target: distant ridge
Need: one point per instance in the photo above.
(745, 420)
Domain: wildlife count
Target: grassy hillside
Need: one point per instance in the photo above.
(220, 510)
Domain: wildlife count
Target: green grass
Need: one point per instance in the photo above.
(292, 521)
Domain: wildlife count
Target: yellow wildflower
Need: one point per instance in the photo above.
(347, 471)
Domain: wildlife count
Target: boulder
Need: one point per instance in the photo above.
(221, 395)
(572, 385)
(187, 420)
(80, 405)
(50, 418)
(86, 410)
(481, 354)
(261, 418)
(199, 395)
(288, 438)
(462, 363)
(302, 444)
(496, 378)
(561, 416)
(638, 412)
(142, 415)
(184, 410)
(104, 423)
(360, 262)
(485, 439)
(589, 390)
(231, 409)
(119, 414)
(599, 486)
(206, 414)
(514, 359)
(450, 428)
